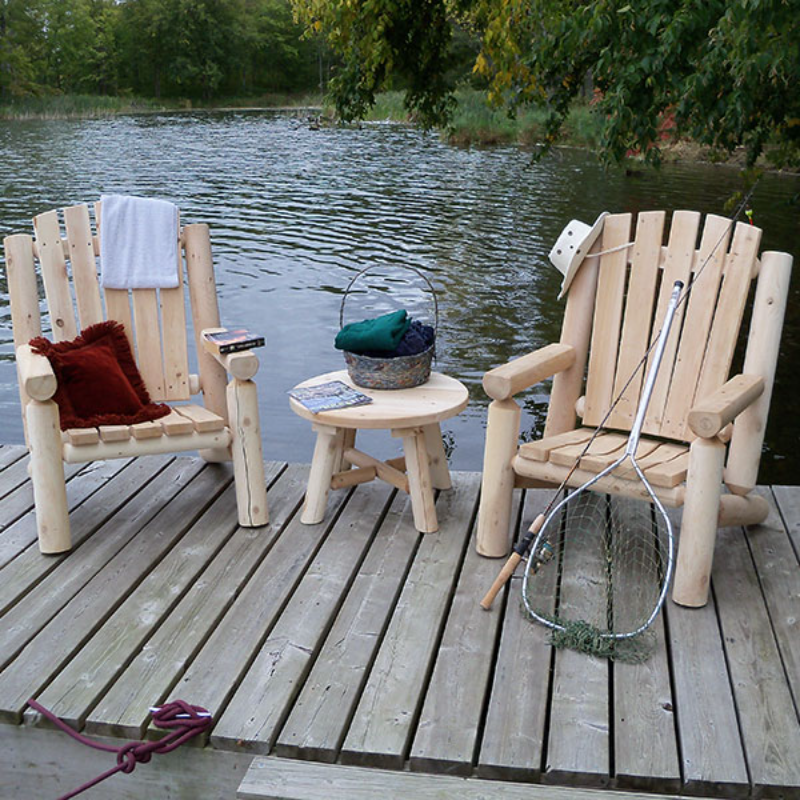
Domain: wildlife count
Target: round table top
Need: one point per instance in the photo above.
(439, 398)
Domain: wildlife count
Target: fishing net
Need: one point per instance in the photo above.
(598, 573)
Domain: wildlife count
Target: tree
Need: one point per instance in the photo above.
(721, 71)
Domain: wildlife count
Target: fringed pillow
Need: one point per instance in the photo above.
(98, 380)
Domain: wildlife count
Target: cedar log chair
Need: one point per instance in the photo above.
(226, 427)
(614, 308)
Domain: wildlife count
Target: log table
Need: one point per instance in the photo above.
(412, 415)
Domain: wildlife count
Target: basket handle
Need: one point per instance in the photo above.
(395, 266)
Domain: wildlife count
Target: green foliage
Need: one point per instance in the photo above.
(723, 72)
(195, 49)
(379, 41)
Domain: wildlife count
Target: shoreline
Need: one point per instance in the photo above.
(474, 124)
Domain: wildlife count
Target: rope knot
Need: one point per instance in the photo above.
(131, 754)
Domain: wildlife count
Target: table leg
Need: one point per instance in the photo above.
(327, 454)
(419, 479)
(348, 441)
(440, 474)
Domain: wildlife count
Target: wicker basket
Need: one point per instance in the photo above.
(401, 372)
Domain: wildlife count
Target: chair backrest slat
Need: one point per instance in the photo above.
(176, 357)
(699, 316)
(148, 341)
(736, 283)
(633, 291)
(54, 275)
(678, 267)
(607, 318)
(645, 256)
(83, 265)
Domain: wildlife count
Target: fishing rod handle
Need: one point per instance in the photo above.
(510, 565)
(501, 580)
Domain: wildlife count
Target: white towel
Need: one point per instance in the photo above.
(138, 243)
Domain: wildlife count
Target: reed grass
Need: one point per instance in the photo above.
(71, 106)
(475, 122)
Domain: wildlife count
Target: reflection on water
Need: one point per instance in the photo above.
(295, 214)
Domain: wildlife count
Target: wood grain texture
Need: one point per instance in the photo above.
(514, 732)
(284, 779)
(711, 748)
(383, 723)
(264, 696)
(79, 618)
(579, 744)
(449, 725)
(768, 718)
(30, 569)
(607, 319)
(319, 718)
(250, 618)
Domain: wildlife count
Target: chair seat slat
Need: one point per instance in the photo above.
(204, 421)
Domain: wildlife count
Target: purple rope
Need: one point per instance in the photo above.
(184, 720)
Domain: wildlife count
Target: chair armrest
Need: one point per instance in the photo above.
(242, 365)
(35, 374)
(713, 413)
(522, 373)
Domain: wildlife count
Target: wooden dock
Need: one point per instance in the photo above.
(351, 658)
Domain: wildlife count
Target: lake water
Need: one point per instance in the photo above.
(296, 213)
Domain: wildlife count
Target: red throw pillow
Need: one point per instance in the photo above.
(98, 380)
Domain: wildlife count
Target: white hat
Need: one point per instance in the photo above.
(572, 246)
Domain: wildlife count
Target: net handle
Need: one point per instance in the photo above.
(396, 266)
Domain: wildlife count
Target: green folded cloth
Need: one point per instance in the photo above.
(381, 333)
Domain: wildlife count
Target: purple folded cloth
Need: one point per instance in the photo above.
(418, 338)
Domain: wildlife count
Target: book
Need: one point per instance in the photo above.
(231, 340)
(329, 396)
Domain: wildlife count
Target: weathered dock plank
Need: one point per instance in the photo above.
(29, 568)
(9, 453)
(579, 744)
(159, 664)
(384, 721)
(779, 573)
(645, 746)
(88, 478)
(788, 499)
(111, 579)
(90, 672)
(767, 715)
(319, 719)
(449, 725)
(711, 749)
(215, 673)
(285, 779)
(514, 735)
(262, 701)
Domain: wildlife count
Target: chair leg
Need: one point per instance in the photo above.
(248, 460)
(699, 523)
(497, 487)
(47, 476)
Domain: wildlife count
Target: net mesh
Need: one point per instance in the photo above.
(596, 575)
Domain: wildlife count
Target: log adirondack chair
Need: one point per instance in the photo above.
(225, 427)
(697, 414)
